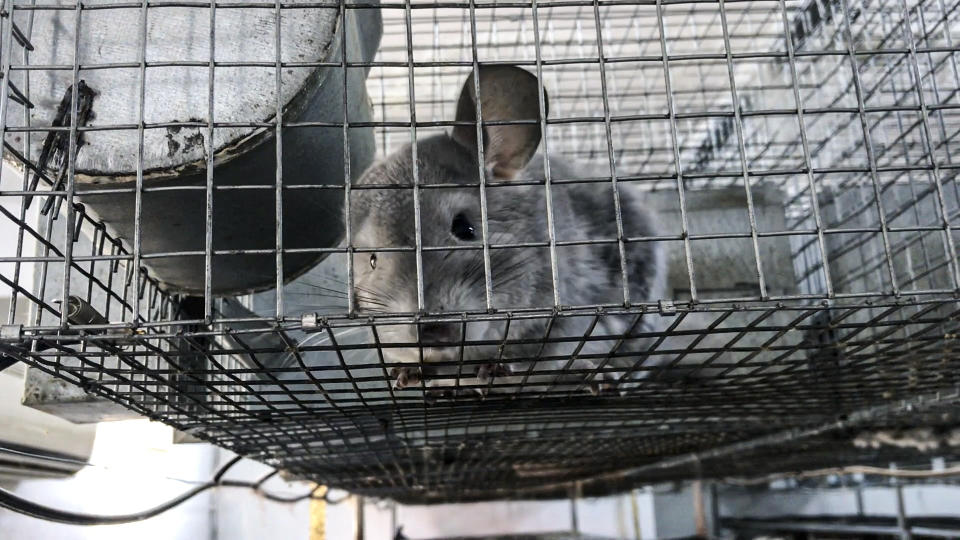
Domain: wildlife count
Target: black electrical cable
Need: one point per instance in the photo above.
(20, 505)
(46, 457)
(15, 503)
(6, 361)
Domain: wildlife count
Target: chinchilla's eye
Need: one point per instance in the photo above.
(462, 228)
(373, 260)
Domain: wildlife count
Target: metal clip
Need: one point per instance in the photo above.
(309, 321)
(667, 308)
(11, 333)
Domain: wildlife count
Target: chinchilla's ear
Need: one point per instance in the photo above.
(507, 94)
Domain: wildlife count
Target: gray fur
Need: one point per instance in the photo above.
(521, 277)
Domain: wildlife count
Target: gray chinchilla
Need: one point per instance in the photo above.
(454, 279)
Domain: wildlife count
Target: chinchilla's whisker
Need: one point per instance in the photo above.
(326, 289)
(322, 295)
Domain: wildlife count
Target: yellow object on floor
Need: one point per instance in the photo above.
(318, 516)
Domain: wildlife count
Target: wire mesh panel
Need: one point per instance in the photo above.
(684, 239)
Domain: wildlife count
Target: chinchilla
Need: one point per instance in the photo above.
(538, 353)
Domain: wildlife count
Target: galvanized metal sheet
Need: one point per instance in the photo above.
(176, 93)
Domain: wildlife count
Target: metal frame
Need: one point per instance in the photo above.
(842, 107)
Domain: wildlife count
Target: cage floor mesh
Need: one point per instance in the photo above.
(799, 158)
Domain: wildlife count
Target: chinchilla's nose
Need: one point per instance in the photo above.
(434, 333)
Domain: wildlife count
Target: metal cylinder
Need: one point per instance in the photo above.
(172, 219)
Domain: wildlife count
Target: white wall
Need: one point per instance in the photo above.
(242, 515)
(140, 467)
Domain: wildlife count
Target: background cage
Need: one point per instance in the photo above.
(799, 155)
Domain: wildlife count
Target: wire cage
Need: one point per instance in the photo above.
(796, 156)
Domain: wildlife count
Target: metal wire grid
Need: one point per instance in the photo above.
(846, 128)
(709, 129)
